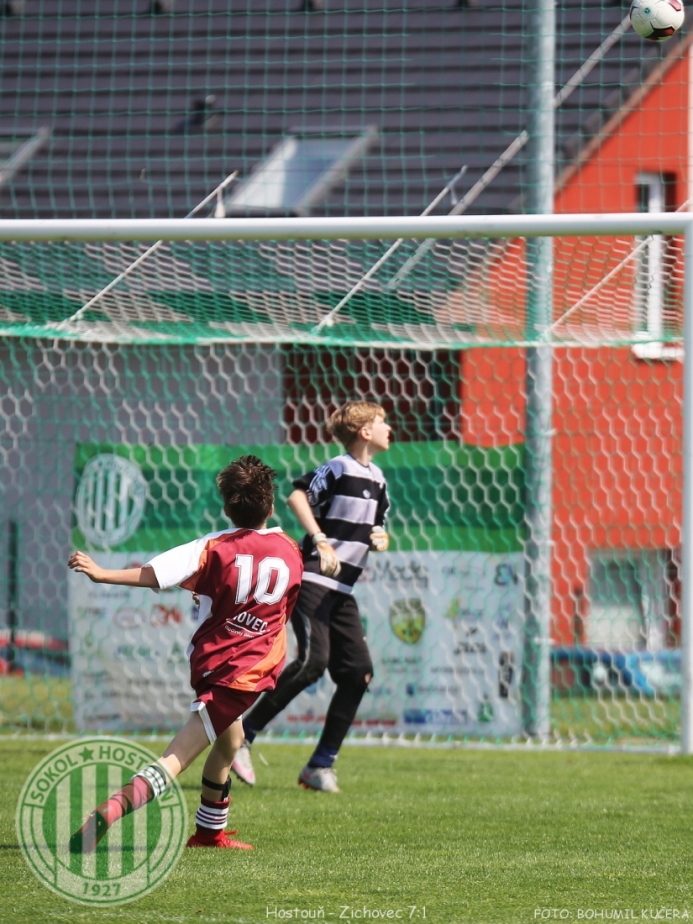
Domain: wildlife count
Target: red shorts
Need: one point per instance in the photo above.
(219, 707)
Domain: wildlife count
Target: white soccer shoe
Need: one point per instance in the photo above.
(242, 765)
(322, 779)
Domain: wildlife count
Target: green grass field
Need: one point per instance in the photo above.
(480, 836)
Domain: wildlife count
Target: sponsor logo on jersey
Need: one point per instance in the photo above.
(251, 625)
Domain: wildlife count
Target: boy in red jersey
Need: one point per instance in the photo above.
(247, 579)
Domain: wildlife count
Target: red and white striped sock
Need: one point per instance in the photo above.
(146, 785)
(212, 817)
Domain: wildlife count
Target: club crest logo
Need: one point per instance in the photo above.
(408, 620)
(136, 855)
(110, 501)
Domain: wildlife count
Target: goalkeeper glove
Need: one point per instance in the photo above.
(380, 541)
(329, 563)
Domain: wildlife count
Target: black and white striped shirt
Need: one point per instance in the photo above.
(347, 499)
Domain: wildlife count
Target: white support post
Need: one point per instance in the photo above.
(687, 539)
(536, 668)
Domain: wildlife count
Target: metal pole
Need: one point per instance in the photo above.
(539, 371)
(687, 526)
(12, 592)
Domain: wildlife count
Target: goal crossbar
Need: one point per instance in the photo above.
(376, 228)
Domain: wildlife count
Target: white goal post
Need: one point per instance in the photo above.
(449, 228)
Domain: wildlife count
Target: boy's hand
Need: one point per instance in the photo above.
(83, 564)
(380, 541)
(139, 576)
(329, 563)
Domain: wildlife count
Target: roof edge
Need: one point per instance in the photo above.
(590, 148)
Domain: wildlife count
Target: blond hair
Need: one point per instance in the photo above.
(347, 420)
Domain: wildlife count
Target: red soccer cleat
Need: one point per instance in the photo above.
(220, 839)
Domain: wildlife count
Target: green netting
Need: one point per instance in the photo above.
(206, 349)
(444, 609)
(459, 293)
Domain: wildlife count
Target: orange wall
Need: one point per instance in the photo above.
(617, 422)
(652, 138)
(617, 451)
(617, 462)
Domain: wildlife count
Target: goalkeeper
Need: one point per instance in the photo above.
(342, 507)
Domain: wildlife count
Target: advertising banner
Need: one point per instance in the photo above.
(442, 611)
(445, 630)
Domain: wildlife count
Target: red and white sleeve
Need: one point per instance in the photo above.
(179, 565)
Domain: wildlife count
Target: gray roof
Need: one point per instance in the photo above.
(443, 84)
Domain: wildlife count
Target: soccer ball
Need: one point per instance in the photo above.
(656, 20)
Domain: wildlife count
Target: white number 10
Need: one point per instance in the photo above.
(266, 568)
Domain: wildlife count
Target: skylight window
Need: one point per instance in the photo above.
(299, 172)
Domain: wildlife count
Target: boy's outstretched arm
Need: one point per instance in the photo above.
(130, 577)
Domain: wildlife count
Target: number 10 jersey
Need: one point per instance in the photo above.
(248, 581)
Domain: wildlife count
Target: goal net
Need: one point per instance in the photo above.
(119, 404)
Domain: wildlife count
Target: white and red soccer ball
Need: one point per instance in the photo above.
(656, 20)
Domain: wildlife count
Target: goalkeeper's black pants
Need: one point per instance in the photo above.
(329, 635)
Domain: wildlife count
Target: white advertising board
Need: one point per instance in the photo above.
(445, 632)
(445, 628)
